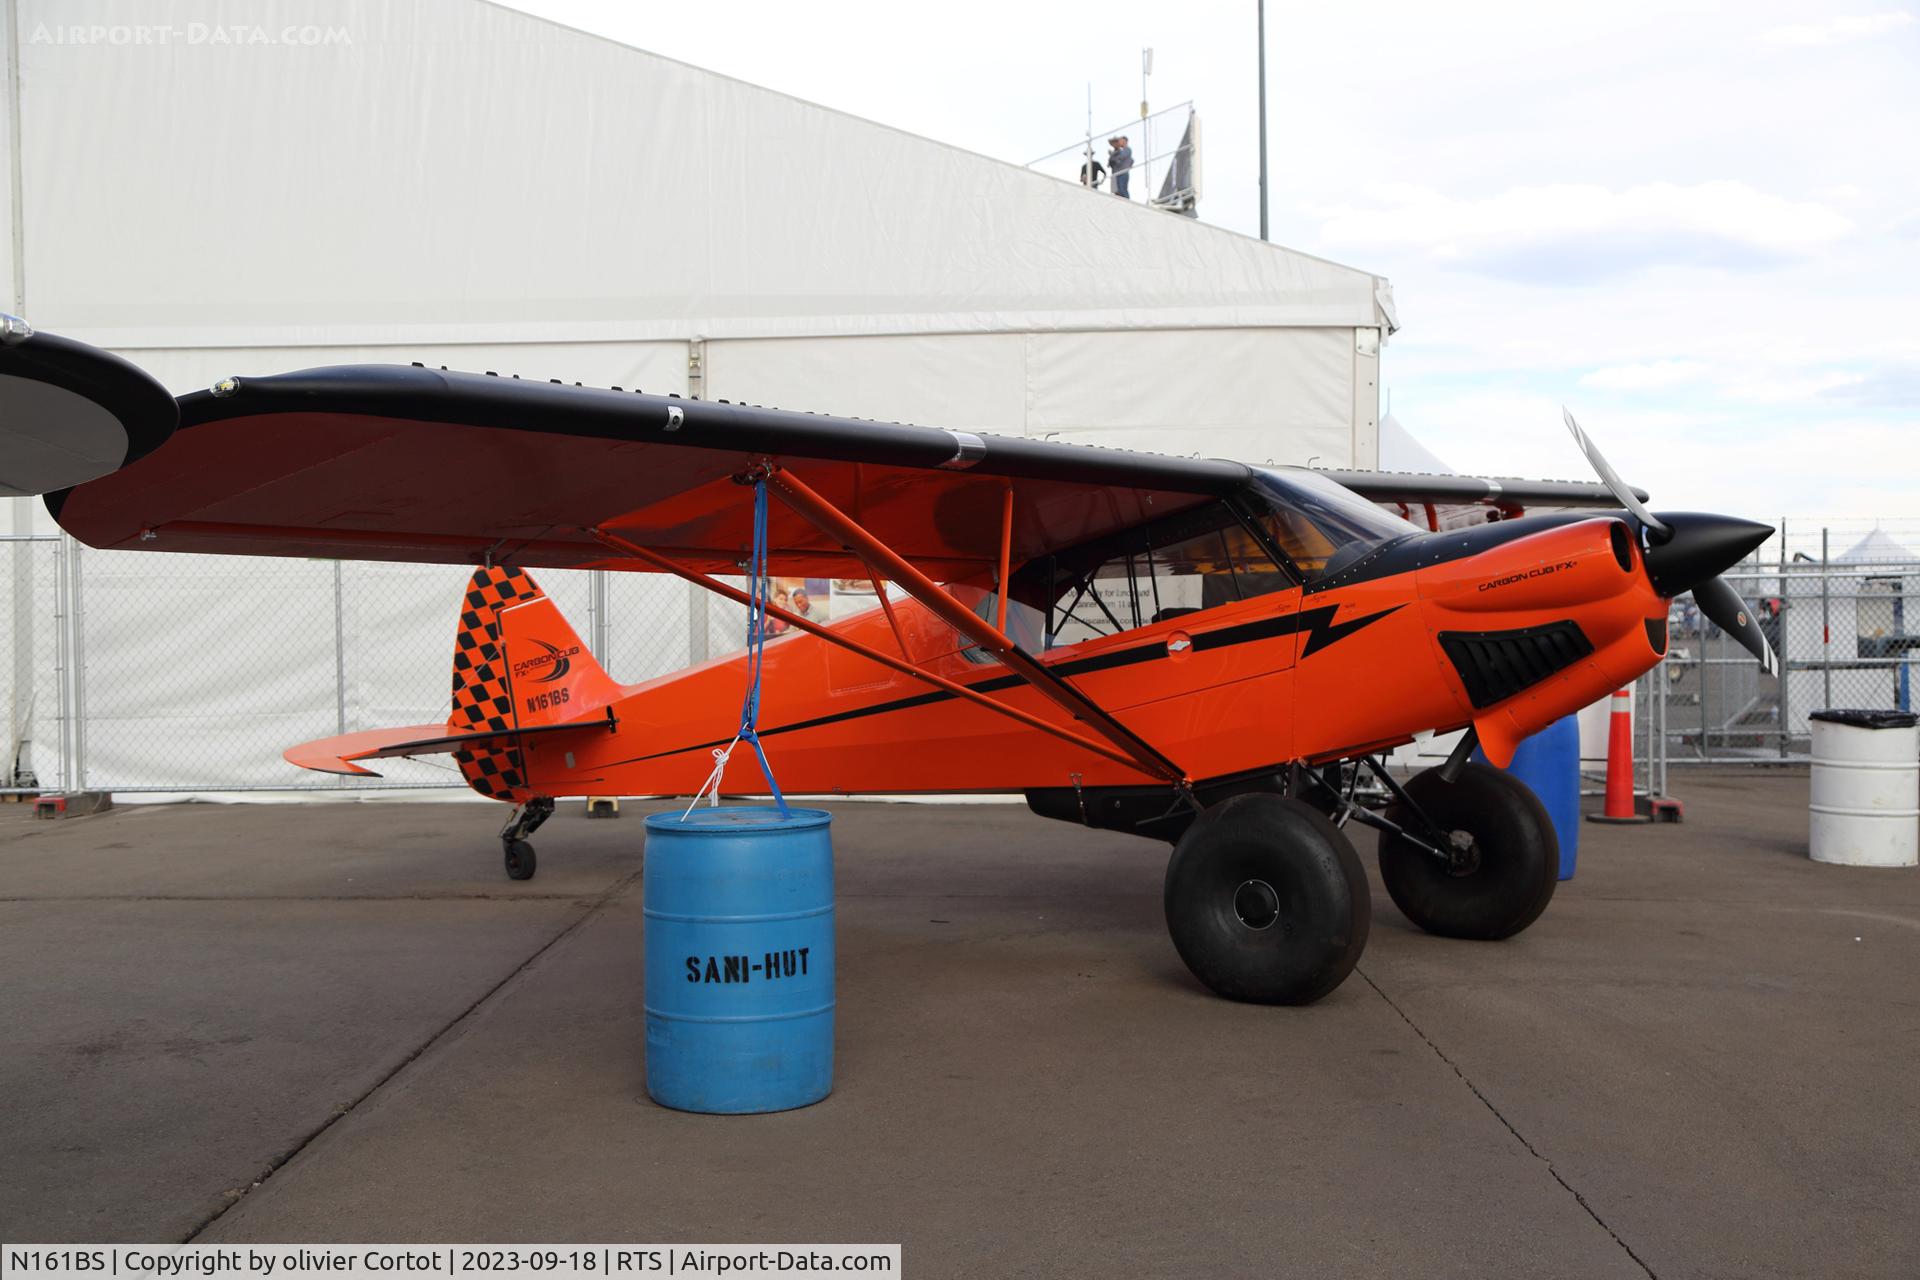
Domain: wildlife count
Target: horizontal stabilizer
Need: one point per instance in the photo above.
(338, 754)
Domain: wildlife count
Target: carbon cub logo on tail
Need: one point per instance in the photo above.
(554, 677)
(546, 667)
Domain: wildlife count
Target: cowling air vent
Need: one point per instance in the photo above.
(1495, 665)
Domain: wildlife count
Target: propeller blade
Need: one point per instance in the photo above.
(1729, 612)
(1622, 493)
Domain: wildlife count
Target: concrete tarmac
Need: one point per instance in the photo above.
(342, 1022)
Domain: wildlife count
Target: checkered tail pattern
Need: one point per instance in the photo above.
(481, 698)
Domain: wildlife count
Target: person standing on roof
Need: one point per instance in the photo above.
(1120, 164)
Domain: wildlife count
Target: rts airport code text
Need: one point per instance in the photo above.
(166, 1262)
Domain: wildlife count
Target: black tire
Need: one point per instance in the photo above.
(521, 864)
(1510, 881)
(1267, 901)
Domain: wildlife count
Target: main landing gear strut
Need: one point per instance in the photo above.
(1266, 899)
(521, 863)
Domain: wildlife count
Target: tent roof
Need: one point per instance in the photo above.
(401, 185)
(1400, 451)
(1878, 547)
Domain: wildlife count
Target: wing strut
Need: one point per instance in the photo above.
(808, 625)
(824, 516)
(1006, 553)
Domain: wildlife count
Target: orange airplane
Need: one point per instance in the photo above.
(1199, 651)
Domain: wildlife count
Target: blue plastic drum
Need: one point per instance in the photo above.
(739, 987)
(1549, 763)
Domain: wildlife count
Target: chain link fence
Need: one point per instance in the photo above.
(1839, 601)
(33, 630)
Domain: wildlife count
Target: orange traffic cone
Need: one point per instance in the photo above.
(1619, 805)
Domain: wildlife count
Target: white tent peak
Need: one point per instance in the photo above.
(1399, 451)
(1877, 547)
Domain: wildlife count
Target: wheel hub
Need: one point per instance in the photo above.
(1463, 853)
(1257, 905)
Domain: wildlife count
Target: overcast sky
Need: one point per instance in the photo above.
(1697, 225)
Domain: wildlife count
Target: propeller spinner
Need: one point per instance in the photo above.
(1686, 552)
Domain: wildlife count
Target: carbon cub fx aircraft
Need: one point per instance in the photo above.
(1197, 651)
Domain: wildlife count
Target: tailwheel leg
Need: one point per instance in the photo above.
(526, 819)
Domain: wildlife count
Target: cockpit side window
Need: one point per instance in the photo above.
(1301, 542)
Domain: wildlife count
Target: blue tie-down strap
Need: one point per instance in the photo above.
(757, 594)
(757, 640)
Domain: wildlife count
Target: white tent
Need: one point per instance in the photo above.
(449, 180)
(214, 189)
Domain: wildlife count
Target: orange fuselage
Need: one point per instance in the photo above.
(1351, 665)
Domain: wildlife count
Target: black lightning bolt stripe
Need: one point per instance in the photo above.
(1322, 630)
(1319, 625)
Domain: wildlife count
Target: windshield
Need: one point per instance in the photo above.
(1321, 526)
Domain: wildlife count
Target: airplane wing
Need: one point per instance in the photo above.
(71, 412)
(1413, 489)
(382, 462)
(393, 462)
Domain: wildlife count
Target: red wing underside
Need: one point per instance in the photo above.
(393, 462)
(367, 488)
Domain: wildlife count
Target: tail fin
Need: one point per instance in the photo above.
(516, 663)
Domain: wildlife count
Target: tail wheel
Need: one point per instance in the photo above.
(1267, 901)
(1508, 863)
(521, 863)
(525, 821)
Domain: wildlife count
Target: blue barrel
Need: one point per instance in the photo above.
(739, 907)
(1549, 763)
